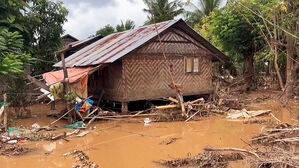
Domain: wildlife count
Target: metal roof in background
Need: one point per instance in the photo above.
(114, 46)
(117, 45)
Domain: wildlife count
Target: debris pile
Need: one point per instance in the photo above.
(244, 114)
(169, 141)
(282, 134)
(205, 159)
(82, 160)
(199, 107)
(277, 147)
(12, 149)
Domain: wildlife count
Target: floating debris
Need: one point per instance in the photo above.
(82, 160)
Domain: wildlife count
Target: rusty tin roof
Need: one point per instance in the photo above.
(115, 46)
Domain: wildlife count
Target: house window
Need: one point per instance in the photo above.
(192, 65)
(195, 65)
(189, 65)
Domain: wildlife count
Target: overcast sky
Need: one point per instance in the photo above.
(87, 16)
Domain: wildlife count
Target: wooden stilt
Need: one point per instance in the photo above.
(67, 87)
(124, 107)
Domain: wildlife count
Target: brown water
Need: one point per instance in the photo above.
(133, 145)
(119, 144)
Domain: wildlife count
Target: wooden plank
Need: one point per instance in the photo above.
(37, 82)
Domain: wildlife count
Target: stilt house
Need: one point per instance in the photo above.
(130, 66)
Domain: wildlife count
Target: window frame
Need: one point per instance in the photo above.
(192, 65)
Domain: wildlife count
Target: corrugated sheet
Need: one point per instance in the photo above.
(114, 46)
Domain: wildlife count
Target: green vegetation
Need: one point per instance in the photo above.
(30, 33)
(30, 28)
(108, 29)
(200, 9)
(162, 10)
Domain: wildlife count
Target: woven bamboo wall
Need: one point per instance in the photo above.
(145, 72)
(108, 79)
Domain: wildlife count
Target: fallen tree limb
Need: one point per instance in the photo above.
(233, 150)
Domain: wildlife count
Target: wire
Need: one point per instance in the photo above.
(37, 59)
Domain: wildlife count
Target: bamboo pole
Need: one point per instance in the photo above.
(67, 85)
(61, 116)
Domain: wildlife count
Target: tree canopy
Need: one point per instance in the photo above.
(200, 9)
(162, 10)
(123, 26)
(12, 60)
(128, 25)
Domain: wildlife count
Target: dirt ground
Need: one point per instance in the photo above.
(134, 145)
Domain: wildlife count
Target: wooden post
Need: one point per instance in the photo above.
(181, 102)
(53, 108)
(67, 85)
(65, 75)
(124, 107)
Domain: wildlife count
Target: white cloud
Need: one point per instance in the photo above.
(86, 18)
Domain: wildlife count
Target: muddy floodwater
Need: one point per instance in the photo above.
(133, 145)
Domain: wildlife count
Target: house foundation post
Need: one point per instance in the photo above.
(124, 107)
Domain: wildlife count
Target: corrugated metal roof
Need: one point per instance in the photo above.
(115, 46)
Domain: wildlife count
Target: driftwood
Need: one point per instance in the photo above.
(191, 116)
(246, 114)
(232, 150)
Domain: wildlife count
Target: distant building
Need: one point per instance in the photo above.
(67, 39)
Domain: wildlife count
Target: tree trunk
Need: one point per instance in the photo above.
(248, 70)
(291, 69)
(276, 54)
(292, 60)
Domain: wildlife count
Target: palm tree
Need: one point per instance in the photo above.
(162, 10)
(200, 9)
(128, 25)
